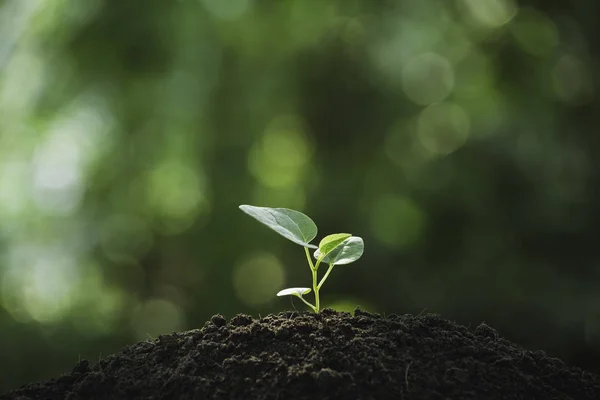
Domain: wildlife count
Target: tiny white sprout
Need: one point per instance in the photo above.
(295, 291)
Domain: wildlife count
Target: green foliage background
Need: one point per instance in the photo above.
(458, 138)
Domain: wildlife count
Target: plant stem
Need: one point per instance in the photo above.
(317, 264)
(315, 289)
(308, 304)
(325, 276)
(313, 269)
(310, 263)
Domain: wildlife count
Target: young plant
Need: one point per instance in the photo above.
(336, 249)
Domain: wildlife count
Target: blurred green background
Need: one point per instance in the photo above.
(458, 138)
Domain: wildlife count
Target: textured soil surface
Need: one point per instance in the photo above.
(332, 355)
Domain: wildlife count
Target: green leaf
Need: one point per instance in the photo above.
(291, 224)
(330, 242)
(346, 252)
(295, 291)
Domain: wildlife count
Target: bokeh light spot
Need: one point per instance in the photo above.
(535, 32)
(156, 317)
(572, 81)
(14, 188)
(278, 160)
(427, 78)
(491, 13)
(57, 174)
(39, 283)
(456, 43)
(227, 10)
(23, 78)
(285, 144)
(443, 128)
(257, 278)
(176, 195)
(74, 141)
(397, 221)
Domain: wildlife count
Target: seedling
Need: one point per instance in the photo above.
(336, 249)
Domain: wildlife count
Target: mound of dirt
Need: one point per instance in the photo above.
(332, 355)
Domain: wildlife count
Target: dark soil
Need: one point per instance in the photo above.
(332, 355)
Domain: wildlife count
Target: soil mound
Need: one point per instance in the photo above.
(332, 355)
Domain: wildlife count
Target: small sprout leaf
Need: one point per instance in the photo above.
(350, 250)
(295, 291)
(291, 224)
(330, 242)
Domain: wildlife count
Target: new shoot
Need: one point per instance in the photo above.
(335, 249)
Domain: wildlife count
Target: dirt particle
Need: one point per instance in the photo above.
(218, 320)
(486, 331)
(241, 320)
